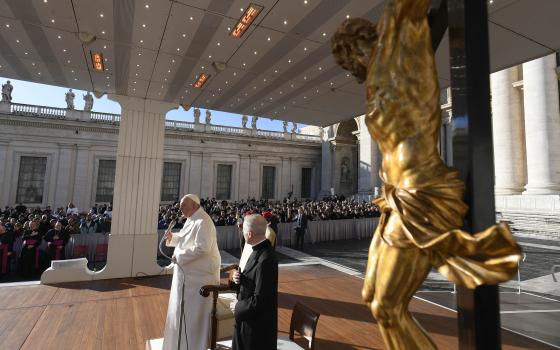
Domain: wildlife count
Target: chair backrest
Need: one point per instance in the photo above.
(304, 321)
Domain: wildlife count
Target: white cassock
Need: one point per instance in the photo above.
(197, 253)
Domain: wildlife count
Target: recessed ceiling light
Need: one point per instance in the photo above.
(285, 22)
(184, 35)
(268, 39)
(241, 9)
(104, 46)
(147, 6)
(165, 79)
(347, 16)
(52, 20)
(72, 71)
(229, 29)
(108, 85)
(45, 1)
(209, 56)
(234, 74)
(141, 41)
(139, 54)
(105, 61)
(304, 78)
(276, 71)
(202, 67)
(255, 52)
(33, 64)
(320, 68)
(103, 32)
(7, 25)
(135, 75)
(243, 64)
(305, 49)
(173, 61)
(289, 61)
(63, 50)
(76, 79)
(137, 65)
(178, 49)
(143, 25)
(305, 2)
(27, 53)
(68, 61)
(39, 73)
(191, 18)
(17, 41)
(324, 34)
(169, 71)
(101, 15)
(108, 77)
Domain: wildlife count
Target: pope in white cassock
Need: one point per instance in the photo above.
(197, 256)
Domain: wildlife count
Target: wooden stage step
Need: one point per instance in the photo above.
(124, 313)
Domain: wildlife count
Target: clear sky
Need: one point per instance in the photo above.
(53, 96)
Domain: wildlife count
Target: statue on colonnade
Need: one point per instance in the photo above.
(7, 92)
(88, 98)
(70, 99)
(196, 114)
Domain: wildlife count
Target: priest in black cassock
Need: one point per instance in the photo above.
(256, 308)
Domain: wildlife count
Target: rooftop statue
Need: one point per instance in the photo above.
(70, 99)
(254, 122)
(208, 117)
(422, 201)
(7, 92)
(88, 98)
(196, 114)
(244, 120)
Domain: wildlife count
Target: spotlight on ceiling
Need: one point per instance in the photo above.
(218, 66)
(202, 78)
(86, 37)
(246, 19)
(97, 61)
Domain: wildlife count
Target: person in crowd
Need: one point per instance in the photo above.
(71, 209)
(301, 227)
(256, 308)
(73, 228)
(6, 248)
(271, 228)
(56, 239)
(88, 225)
(30, 249)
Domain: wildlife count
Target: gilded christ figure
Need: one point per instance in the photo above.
(421, 203)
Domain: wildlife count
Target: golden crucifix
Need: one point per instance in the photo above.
(422, 206)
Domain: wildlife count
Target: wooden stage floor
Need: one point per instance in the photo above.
(123, 314)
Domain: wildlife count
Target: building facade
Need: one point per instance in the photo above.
(52, 156)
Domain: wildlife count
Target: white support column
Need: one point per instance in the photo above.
(542, 126)
(255, 178)
(508, 131)
(285, 178)
(133, 238)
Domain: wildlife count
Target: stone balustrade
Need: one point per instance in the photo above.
(110, 118)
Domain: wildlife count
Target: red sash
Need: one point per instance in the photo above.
(4, 249)
(33, 242)
(59, 244)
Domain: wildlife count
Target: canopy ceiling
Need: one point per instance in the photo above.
(280, 68)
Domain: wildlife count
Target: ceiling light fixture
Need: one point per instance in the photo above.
(246, 19)
(201, 80)
(97, 61)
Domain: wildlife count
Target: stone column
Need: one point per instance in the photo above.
(285, 178)
(133, 239)
(65, 173)
(369, 163)
(326, 167)
(255, 175)
(208, 181)
(508, 133)
(4, 173)
(84, 171)
(195, 177)
(243, 177)
(542, 126)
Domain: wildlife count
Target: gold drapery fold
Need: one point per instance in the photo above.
(430, 215)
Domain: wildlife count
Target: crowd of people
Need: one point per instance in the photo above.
(228, 213)
(31, 237)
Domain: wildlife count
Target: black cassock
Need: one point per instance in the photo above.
(256, 312)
